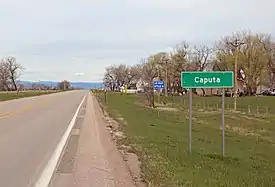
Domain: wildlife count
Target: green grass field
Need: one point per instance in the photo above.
(4, 96)
(161, 142)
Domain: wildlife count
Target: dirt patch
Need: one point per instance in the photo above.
(255, 118)
(250, 118)
(242, 131)
(134, 168)
(113, 127)
(202, 111)
(167, 109)
(131, 159)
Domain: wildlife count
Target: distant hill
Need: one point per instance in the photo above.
(84, 85)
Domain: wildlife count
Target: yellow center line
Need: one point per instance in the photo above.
(26, 108)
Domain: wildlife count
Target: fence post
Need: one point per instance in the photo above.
(105, 96)
(248, 110)
(257, 110)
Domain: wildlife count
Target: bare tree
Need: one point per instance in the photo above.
(180, 61)
(251, 58)
(119, 75)
(4, 76)
(253, 61)
(132, 74)
(64, 85)
(201, 58)
(269, 47)
(14, 69)
(115, 76)
(109, 77)
(162, 62)
(149, 73)
(255, 57)
(10, 71)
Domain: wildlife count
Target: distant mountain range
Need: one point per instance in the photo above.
(84, 85)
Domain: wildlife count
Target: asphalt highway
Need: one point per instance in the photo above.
(30, 130)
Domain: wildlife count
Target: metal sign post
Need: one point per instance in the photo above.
(158, 101)
(158, 85)
(223, 122)
(190, 120)
(215, 79)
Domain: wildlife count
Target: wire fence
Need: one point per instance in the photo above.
(247, 106)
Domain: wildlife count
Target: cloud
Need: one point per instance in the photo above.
(79, 74)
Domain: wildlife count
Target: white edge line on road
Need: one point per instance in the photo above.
(48, 171)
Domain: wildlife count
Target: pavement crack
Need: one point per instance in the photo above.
(100, 169)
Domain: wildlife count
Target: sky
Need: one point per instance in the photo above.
(76, 39)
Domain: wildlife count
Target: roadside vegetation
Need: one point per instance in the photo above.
(4, 96)
(253, 54)
(161, 142)
(158, 131)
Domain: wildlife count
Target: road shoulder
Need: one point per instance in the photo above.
(90, 157)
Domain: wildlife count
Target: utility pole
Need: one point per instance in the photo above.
(236, 44)
(261, 81)
(166, 81)
(166, 59)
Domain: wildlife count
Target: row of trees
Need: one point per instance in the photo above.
(10, 71)
(255, 55)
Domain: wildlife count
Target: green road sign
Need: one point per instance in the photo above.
(213, 79)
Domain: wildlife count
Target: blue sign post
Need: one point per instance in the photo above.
(158, 85)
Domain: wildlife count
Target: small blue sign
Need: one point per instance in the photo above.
(158, 84)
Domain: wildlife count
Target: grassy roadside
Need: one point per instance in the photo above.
(4, 96)
(161, 143)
